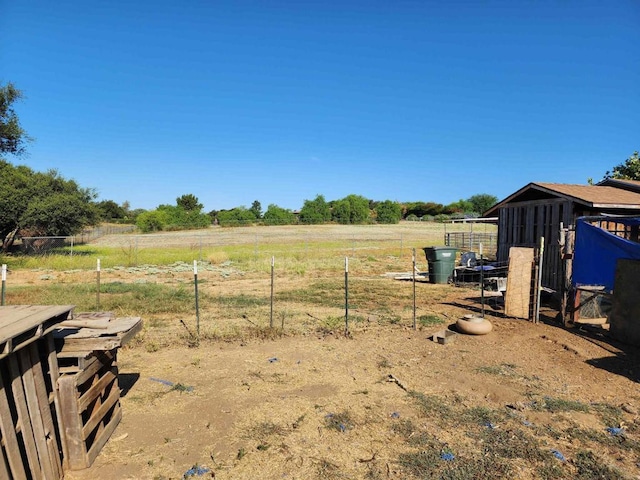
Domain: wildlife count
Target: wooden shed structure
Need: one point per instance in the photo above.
(541, 209)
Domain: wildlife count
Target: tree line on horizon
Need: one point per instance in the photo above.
(47, 204)
(353, 209)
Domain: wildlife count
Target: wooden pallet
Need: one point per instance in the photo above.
(90, 409)
(22, 324)
(30, 442)
(87, 347)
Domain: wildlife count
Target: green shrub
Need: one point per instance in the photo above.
(151, 221)
(388, 212)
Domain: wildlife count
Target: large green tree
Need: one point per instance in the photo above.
(41, 204)
(359, 209)
(482, 202)
(628, 170)
(189, 203)
(186, 214)
(420, 209)
(238, 216)
(276, 215)
(461, 206)
(256, 209)
(12, 136)
(388, 212)
(341, 211)
(315, 211)
(110, 210)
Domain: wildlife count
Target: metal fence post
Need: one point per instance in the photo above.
(346, 296)
(413, 276)
(273, 262)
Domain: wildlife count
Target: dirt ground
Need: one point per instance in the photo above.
(260, 409)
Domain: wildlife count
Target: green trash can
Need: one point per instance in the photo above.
(442, 262)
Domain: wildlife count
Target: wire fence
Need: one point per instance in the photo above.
(262, 240)
(471, 241)
(65, 244)
(502, 289)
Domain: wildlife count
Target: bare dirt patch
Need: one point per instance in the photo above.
(265, 409)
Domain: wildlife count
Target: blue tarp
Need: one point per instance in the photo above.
(597, 252)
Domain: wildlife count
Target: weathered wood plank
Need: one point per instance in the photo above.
(54, 375)
(4, 473)
(98, 415)
(528, 230)
(45, 408)
(103, 359)
(28, 372)
(96, 389)
(115, 328)
(89, 344)
(24, 420)
(21, 325)
(78, 342)
(72, 421)
(15, 319)
(9, 437)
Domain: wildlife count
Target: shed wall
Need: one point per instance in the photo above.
(521, 224)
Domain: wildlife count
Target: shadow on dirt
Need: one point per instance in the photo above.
(624, 359)
(127, 381)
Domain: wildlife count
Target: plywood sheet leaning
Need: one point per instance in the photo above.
(519, 295)
(625, 311)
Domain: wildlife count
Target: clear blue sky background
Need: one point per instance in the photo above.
(278, 101)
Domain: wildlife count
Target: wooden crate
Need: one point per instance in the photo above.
(87, 347)
(30, 440)
(90, 409)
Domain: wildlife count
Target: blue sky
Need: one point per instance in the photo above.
(279, 101)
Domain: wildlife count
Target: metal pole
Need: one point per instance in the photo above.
(98, 285)
(195, 283)
(273, 261)
(481, 281)
(71, 255)
(346, 295)
(4, 282)
(414, 287)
